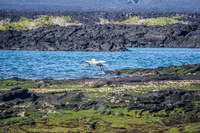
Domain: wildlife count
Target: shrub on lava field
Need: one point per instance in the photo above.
(129, 21)
(27, 24)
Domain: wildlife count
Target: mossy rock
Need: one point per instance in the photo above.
(119, 114)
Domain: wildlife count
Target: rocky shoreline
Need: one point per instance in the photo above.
(163, 102)
(106, 37)
(165, 98)
(101, 38)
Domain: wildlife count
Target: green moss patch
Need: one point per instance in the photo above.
(12, 83)
(27, 24)
(185, 69)
(109, 120)
(149, 21)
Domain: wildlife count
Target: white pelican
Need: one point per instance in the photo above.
(96, 63)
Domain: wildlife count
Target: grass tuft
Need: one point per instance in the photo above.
(28, 24)
(149, 21)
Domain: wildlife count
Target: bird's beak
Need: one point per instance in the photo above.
(86, 64)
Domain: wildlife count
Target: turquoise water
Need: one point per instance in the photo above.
(65, 65)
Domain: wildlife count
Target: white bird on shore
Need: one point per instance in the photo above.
(96, 63)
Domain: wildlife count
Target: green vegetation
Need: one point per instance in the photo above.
(104, 105)
(129, 21)
(158, 21)
(176, 18)
(171, 70)
(105, 21)
(12, 83)
(109, 120)
(44, 20)
(94, 88)
(27, 24)
(13, 119)
(130, 71)
(149, 21)
(179, 70)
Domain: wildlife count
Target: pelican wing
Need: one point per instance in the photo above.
(101, 61)
(88, 63)
(104, 62)
(97, 63)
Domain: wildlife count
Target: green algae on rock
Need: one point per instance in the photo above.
(100, 105)
(185, 69)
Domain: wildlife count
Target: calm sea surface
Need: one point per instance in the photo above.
(101, 5)
(65, 65)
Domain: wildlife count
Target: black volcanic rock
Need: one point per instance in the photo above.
(94, 17)
(56, 38)
(17, 94)
(101, 37)
(95, 37)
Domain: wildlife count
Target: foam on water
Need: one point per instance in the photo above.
(65, 65)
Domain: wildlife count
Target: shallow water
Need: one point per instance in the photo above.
(65, 65)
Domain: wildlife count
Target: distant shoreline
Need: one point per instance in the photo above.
(95, 32)
(91, 17)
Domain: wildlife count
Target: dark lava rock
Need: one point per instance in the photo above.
(101, 37)
(119, 114)
(93, 37)
(6, 114)
(88, 105)
(94, 17)
(161, 99)
(166, 73)
(17, 93)
(56, 38)
(169, 98)
(99, 106)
